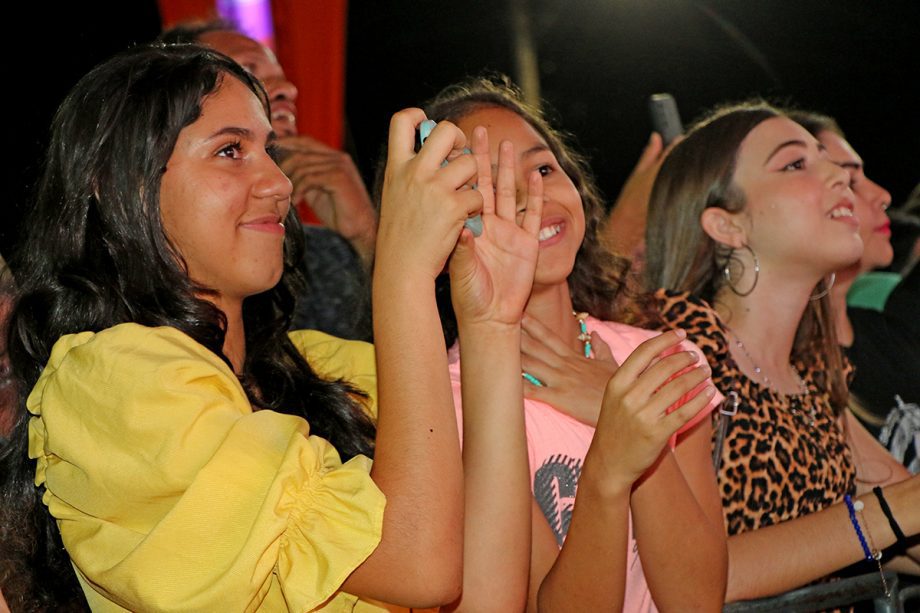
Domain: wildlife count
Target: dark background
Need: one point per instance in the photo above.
(858, 60)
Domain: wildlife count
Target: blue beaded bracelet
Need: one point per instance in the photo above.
(855, 522)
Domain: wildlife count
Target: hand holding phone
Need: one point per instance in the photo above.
(665, 118)
(424, 130)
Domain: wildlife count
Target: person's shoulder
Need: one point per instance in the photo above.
(120, 372)
(320, 241)
(128, 343)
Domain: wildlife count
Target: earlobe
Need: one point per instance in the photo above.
(723, 227)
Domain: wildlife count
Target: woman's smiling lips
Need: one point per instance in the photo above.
(269, 224)
(551, 231)
(844, 212)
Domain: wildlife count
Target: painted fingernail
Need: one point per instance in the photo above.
(467, 151)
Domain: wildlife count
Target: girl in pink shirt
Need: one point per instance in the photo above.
(643, 475)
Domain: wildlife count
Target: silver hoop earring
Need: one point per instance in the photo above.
(734, 264)
(827, 288)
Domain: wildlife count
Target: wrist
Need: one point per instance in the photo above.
(488, 329)
(605, 486)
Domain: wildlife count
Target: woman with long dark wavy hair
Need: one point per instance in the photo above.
(173, 444)
(748, 220)
(616, 479)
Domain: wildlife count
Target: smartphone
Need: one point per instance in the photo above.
(662, 109)
(473, 223)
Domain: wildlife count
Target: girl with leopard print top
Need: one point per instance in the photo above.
(747, 219)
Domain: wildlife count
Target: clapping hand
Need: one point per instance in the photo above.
(640, 411)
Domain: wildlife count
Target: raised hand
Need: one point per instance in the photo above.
(573, 384)
(329, 181)
(424, 204)
(492, 275)
(635, 422)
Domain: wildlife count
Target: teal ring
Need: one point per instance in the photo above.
(532, 380)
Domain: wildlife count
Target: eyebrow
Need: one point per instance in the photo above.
(850, 165)
(536, 149)
(788, 143)
(232, 130)
(533, 150)
(242, 133)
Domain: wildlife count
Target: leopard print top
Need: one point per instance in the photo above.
(775, 465)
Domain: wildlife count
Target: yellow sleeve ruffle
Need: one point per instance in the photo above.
(171, 494)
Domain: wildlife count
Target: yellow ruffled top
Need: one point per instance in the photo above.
(172, 494)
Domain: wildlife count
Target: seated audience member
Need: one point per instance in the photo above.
(338, 254)
(608, 499)
(886, 358)
(175, 448)
(748, 219)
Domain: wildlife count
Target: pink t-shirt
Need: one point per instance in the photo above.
(557, 445)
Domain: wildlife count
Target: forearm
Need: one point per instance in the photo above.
(682, 548)
(363, 238)
(496, 553)
(592, 562)
(417, 457)
(778, 558)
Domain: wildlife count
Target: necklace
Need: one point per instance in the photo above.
(795, 400)
(583, 335)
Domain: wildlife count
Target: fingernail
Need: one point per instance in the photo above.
(681, 333)
(467, 150)
(710, 391)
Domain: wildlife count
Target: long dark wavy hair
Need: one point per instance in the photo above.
(698, 174)
(96, 255)
(597, 278)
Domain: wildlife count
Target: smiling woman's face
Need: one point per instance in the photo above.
(799, 208)
(222, 198)
(562, 229)
(871, 202)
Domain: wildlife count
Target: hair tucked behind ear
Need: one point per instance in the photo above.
(596, 279)
(680, 256)
(97, 256)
